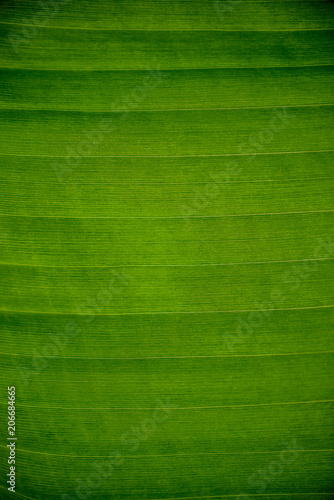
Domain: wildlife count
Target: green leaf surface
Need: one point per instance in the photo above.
(166, 238)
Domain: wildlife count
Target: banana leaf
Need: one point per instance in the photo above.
(166, 238)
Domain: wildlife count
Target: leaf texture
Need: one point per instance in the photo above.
(166, 235)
